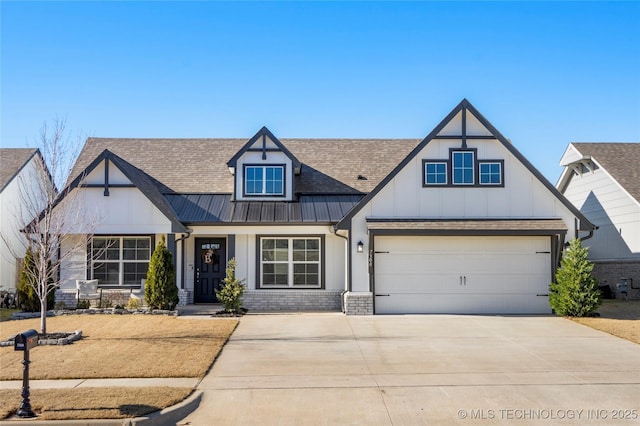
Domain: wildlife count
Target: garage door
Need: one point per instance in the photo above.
(462, 275)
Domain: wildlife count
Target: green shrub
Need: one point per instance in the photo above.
(231, 293)
(575, 292)
(83, 304)
(27, 297)
(160, 291)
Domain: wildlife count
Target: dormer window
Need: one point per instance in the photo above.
(264, 180)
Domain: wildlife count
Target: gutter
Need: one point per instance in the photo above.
(348, 289)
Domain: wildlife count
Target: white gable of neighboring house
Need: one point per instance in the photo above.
(599, 196)
(19, 203)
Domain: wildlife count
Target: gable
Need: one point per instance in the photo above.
(523, 192)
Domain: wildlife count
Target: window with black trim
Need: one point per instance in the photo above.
(490, 173)
(264, 180)
(462, 165)
(120, 260)
(461, 169)
(435, 173)
(290, 262)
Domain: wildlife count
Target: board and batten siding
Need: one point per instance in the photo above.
(523, 196)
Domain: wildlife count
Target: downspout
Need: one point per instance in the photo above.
(182, 250)
(590, 235)
(348, 289)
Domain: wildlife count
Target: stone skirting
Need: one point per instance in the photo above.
(185, 297)
(358, 303)
(292, 300)
(610, 272)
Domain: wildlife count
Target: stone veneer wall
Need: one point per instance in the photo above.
(67, 297)
(610, 272)
(358, 303)
(292, 300)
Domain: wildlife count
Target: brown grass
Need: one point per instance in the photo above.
(93, 403)
(617, 317)
(120, 347)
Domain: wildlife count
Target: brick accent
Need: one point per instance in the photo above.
(610, 272)
(358, 303)
(67, 297)
(292, 300)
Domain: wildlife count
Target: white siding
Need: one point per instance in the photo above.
(617, 215)
(523, 196)
(19, 204)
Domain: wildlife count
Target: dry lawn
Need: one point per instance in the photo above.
(117, 346)
(93, 403)
(617, 317)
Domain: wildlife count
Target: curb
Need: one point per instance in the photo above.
(168, 416)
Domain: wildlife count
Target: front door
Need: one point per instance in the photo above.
(211, 261)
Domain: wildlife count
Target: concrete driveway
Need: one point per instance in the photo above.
(330, 369)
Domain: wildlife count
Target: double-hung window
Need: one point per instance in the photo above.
(290, 262)
(463, 167)
(120, 260)
(264, 180)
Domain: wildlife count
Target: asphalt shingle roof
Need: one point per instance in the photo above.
(620, 160)
(330, 166)
(11, 162)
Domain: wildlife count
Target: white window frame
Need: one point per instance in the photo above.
(290, 262)
(489, 163)
(463, 168)
(93, 263)
(264, 179)
(446, 173)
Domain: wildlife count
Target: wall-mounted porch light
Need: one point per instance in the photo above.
(360, 247)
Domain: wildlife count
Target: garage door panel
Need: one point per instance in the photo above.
(483, 275)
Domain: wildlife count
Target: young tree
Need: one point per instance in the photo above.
(575, 292)
(55, 225)
(160, 291)
(231, 293)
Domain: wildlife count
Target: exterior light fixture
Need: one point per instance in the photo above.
(360, 247)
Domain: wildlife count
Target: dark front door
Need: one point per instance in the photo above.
(211, 261)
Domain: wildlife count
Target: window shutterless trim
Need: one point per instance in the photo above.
(474, 166)
(501, 163)
(424, 173)
(121, 262)
(264, 194)
(321, 263)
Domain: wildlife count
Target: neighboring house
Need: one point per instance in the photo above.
(458, 222)
(603, 181)
(22, 177)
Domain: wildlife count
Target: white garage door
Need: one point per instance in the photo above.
(462, 275)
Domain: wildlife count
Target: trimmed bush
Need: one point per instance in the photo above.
(160, 291)
(575, 292)
(231, 293)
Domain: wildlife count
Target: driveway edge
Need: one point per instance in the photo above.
(170, 415)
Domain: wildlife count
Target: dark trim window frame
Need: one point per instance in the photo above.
(290, 262)
(462, 173)
(119, 260)
(271, 181)
(491, 172)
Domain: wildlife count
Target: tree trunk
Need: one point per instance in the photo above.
(43, 314)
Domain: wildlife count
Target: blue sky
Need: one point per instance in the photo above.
(545, 74)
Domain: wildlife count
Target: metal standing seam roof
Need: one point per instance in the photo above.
(210, 209)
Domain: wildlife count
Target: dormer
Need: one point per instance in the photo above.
(263, 169)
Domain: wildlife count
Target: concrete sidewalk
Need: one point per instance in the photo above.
(328, 369)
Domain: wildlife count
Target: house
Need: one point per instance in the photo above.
(458, 222)
(603, 181)
(23, 175)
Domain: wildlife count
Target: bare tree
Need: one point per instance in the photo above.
(58, 226)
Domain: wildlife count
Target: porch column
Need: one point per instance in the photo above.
(231, 246)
